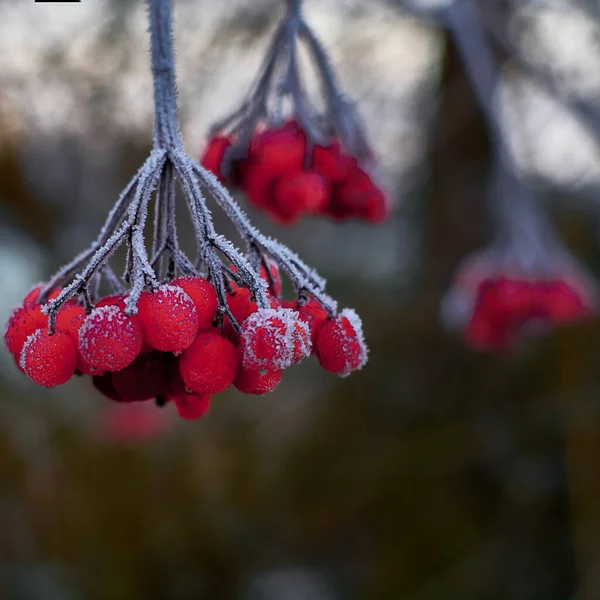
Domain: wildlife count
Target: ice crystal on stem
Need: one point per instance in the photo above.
(292, 157)
(526, 280)
(174, 327)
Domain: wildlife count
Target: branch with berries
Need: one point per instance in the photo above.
(176, 327)
(294, 157)
(525, 281)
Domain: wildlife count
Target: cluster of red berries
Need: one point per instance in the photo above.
(275, 177)
(504, 306)
(175, 349)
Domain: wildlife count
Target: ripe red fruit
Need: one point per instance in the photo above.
(212, 159)
(313, 314)
(34, 294)
(252, 381)
(274, 339)
(169, 318)
(258, 183)
(66, 314)
(272, 278)
(204, 297)
(332, 162)
(109, 340)
(143, 379)
(22, 323)
(72, 330)
(104, 384)
(279, 151)
(306, 192)
(191, 406)
(339, 344)
(559, 302)
(209, 365)
(48, 360)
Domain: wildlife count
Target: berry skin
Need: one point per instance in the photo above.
(339, 344)
(203, 296)
(143, 379)
(191, 406)
(297, 194)
(274, 339)
(109, 340)
(209, 365)
(213, 156)
(559, 302)
(34, 294)
(66, 314)
(313, 314)
(258, 183)
(279, 151)
(72, 330)
(333, 163)
(24, 321)
(169, 318)
(256, 382)
(272, 278)
(104, 384)
(48, 360)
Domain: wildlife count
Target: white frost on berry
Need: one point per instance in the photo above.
(24, 351)
(99, 317)
(356, 324)
(283, 328)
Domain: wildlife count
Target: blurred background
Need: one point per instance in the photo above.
(433, 474)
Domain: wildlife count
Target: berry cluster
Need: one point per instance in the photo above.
(179, 328)
(496, 308)
(317, 161)
(275, 179)
(174, 348)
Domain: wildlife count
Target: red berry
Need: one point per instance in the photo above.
(212, 159)
(66, 314)
(258, 183)
(253, 381)
(332, 162)
(191, 406)
(203, 296)
(169, 318)
(274, 339)
(73, 330)
(21, 324)
(48, 360)
(209, 365)
(339, 344)
(272, 278)
(486, 332)
(559, 302)
(109, 340)
(34, 294)
(313, 314)
(241, 306)
(143, 379)
(279, 151)
(306, 192)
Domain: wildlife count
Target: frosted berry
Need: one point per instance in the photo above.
(48, 360)
(213, 156)
(191, 406)
(109, 340)
(210, 364)
(313, 314)
(306, 192)
(169, 318)
(22, 323)
(203, 296)
(66, 314)
(274, 339)
(254, 381)
(72, 330)
(339, 344)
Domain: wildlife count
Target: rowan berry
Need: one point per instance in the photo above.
(109, 340)
(274, 339)
(210, 364)
(339, 344)
(256, 381)
(191, 406)
(203, 295)
(48, 360)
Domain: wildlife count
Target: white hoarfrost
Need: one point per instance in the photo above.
(284, 330)
(356, 324)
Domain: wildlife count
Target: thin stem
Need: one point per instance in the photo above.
(166, 125)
